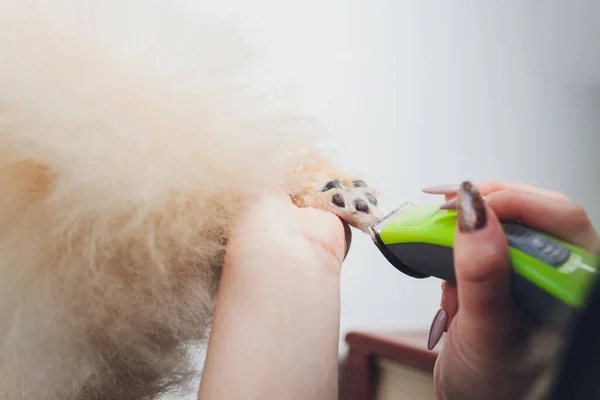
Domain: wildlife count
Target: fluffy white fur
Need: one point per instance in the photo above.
(130, 133)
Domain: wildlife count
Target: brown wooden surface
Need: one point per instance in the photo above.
(359, 373)
(406, 347)
(358, 377)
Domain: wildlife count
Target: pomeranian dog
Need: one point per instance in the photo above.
(130, 135)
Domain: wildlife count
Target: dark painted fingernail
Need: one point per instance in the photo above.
(470, 208)
(338, 200)
(438, 326)
(359, 183)
(361, 206)
(331, 185)
(372, 199)
(441, 189)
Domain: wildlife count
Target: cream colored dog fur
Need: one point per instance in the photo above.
(130, 134)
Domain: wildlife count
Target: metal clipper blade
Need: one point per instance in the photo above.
(376, 228)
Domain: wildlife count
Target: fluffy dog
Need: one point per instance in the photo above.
(130, 134)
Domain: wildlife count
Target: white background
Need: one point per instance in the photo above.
(423, 92)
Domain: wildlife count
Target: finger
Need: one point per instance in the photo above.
(481, 260)
(495, 186)
(487, 187)
(325, 229)
(565, 220)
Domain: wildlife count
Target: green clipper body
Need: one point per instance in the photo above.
(550, 277)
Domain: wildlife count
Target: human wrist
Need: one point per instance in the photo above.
(288, 305)
(299, 257)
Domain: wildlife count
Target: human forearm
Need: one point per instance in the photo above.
(275, 332)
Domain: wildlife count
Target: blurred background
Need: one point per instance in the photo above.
(425, 92)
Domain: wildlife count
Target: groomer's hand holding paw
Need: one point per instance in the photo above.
(276, 326)
(485, 353)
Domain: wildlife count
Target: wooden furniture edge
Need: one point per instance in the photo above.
(397, 346)
(359, 371)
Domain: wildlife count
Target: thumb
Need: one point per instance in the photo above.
(482, 264)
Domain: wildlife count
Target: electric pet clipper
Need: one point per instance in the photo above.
(550, 277)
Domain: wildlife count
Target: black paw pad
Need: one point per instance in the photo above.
(359, 183)
(361, 206)
(338, 200)
(372, 199)
(335, 184)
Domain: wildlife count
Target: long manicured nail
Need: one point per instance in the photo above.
(449, 205)
(470, 208)
(441, 189)
(438, 326)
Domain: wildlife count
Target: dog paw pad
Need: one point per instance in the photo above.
(371, 199)
(361, 205)
(352, 200)
(334, 184)
(338, 200)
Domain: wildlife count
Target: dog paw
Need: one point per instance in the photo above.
(350, 199)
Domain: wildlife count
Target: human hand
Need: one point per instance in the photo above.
(278, 305)
(272, 226)
(485, 354)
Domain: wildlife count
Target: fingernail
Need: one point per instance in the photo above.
(348, 235)
(441, 189)
(449, 205)
(470, 208)
(438, 326)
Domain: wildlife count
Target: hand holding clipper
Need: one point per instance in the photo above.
(550, 245)
(488, 339)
